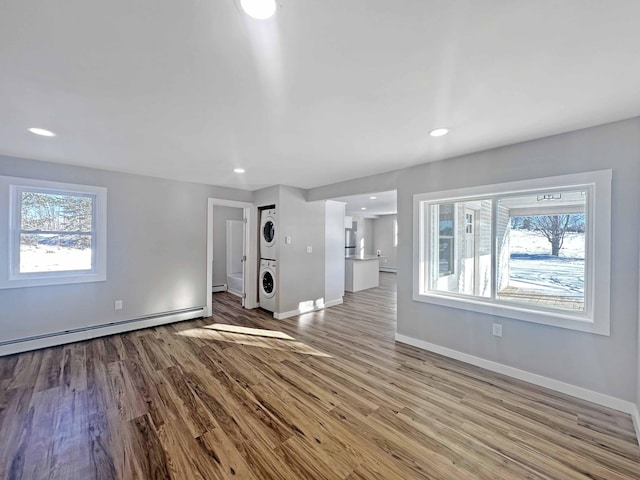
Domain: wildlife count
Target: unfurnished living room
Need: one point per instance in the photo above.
(339, 240)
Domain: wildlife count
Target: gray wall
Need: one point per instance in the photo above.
(604, 364)
(156, 252)
(301, 275)
(383, 240)
(220, 217)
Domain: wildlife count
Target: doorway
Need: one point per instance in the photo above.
(234, 250)
(217, 252)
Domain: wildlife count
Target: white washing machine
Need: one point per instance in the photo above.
(267, 284)
(268, 228)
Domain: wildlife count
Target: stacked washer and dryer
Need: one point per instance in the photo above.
(268, 260)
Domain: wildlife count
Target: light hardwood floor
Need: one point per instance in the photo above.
(327, 395)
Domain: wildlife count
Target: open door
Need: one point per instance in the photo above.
(245, 232)
(249, 261)
(235, 257)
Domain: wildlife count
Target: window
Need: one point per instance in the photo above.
(526, 250)
(395, 233)
(57, 233)
(445, 244)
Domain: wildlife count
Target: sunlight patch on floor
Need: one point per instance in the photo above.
(259, 332)
(251, 337)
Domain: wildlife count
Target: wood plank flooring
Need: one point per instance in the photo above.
(327, 395)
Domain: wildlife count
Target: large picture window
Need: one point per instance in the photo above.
(57, 233)
(527, 250)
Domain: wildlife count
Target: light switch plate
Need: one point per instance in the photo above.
(309, 249)
(497, 330)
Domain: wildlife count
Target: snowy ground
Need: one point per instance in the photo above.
(45, 258)
(533, 267)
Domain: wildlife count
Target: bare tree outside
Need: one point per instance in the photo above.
(555, 227)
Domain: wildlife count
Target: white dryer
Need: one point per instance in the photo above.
(267, 284)
(268, 229)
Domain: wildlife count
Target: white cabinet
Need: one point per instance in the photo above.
(361, 273)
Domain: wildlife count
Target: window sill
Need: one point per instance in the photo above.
(580, 322)
(57, 278)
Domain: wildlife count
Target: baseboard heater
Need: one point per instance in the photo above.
(75, 331)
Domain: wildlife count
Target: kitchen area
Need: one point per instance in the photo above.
(361, 268)
(370, 238)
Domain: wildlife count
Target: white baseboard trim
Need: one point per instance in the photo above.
(237, 294)
(333, 303)
(94, 331)
(389, 269)
(219, 288)
(540, 380)
(290, 313)
(635, 415)
(293, 313)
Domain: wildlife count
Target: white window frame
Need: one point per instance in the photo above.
(12, 277)
(395, 232)
(596, 317)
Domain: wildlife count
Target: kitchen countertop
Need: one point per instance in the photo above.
(362, 257)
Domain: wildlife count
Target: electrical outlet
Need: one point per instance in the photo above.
(497, 330)
(118, 305)
(309, 249)
(287, 240)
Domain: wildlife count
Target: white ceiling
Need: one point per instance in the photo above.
(385, 203)
(323, 92)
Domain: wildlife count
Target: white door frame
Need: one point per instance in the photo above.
(250, 266)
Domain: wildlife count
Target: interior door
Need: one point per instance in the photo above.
(245, 221)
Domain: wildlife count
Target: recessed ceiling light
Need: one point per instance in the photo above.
(259, 9)
(238, 170)
(363, 208)
(372, 198)
(438, 132)
(42, 132)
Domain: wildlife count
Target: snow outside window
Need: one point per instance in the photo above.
(57, 234)
(526, 250)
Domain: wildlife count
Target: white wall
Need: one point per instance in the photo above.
(364, 235)
(220, 217)
(334, 252)
(156, 252)
(608, 365)
(383, 233)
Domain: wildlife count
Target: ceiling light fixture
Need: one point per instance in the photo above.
(42, 132)
(238, 170)
(438, 132)
(372, 198)
(363, 208)
(259, 9)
